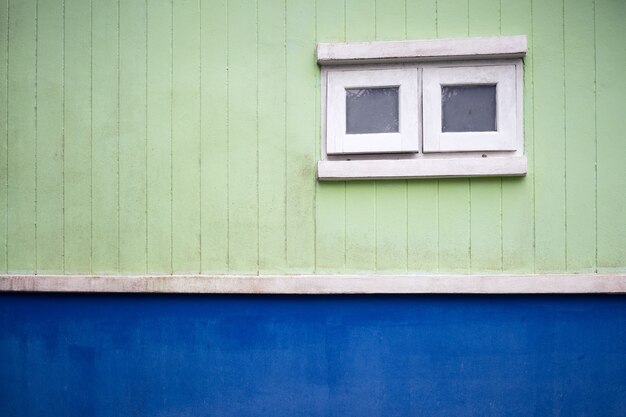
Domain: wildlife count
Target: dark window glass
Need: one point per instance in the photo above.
(468, 108)
(372, 110)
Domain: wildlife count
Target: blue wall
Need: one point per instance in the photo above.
(129, 355)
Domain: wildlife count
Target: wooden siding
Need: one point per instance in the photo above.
(158, 137)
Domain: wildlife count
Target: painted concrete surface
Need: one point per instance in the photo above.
(198, 355)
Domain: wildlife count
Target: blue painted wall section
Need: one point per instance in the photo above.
(128, 355)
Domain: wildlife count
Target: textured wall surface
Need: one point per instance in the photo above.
(182, 136)
(116, 355)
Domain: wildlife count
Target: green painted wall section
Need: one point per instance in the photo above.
(182, 136)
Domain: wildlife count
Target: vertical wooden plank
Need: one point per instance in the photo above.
(422, 199)
(452, 18)
(391, 196)
(549, 116)
(390, 19)
(242, 137)
(271, 131)
(302, 142)
(421, 19)
(214, 154)
(159, 128)
(454, 217)
(330, 196)
(360, 226)
(484, 17)
(50, 137)
(330, 228)
(105, 138)
(486, 225)
(132, 150)
(454, 233)
(186, 137)
(21, 137)
(580, 134)
(77, 136)
(391, 221)
(518, 193)
(4, 119)
(360, 216)
(611, 128)
(485, 193)
(360, 20)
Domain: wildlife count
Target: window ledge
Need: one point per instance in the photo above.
(421, 50)
(321, 284)
(422, 168)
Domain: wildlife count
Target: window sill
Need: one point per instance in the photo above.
(422, 168)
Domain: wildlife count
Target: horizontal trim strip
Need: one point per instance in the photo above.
(422, 50)
(321, 284)
(422, 168)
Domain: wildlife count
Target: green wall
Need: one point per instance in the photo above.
(158, 137)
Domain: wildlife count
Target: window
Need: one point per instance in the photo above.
(372, 111)
(469, 108)
(432, 108)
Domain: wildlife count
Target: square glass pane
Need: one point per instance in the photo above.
(468, 108)
(372, 110)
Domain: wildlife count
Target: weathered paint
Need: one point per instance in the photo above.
(321, 284)
(121, 355)
(182, 137)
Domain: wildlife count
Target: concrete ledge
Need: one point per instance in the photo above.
(321, 284)
(422, 168)
(422, 50)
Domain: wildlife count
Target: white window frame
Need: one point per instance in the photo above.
(405, 140)
(505, 136)
(499, 154)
